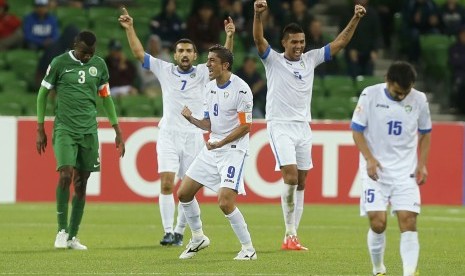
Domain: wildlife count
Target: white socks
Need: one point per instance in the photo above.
(409, 251)
(192, 214)
(288, 205)
(166, 203)
(299, 207)
(181, 221)
(240, 228)
(376, 245)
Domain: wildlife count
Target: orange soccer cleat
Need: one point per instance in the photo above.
(292, 243)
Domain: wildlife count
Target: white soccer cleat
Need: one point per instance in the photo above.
(75, 244)
(246, 255)
(193, 247)
(61, 239)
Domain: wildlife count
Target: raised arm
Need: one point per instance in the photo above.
(346, 35)
(260, 41)
(229, 29)
(126, 22)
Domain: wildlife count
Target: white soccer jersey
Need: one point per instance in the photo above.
(290, 84)
(390, 128)
(179, 89)
(222, 107)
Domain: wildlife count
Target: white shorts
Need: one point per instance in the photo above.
(176, 150)
(403, 196)
(217, 169)
(291, 143)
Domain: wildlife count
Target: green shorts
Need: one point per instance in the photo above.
(77, 150)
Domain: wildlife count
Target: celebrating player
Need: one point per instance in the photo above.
(178, 141)
(385, 126)
(220, 164)
(289, 80)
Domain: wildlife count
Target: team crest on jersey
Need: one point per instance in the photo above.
(192, 75)
(358, 109)
(226, 94)
(302, 64)
(93, 71)
(408, 108)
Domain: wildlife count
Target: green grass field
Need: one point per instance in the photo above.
(123, 239)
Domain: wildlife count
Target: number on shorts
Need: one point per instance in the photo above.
(231, 171)
(369, 195)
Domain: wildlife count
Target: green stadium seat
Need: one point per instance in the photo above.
(70, 15)
(103, 16)
(333, 108)
(339, 85)
(10, 104)
(434, 48)
(361, 82)
(137, 106)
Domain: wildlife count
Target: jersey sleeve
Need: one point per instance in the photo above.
(318, 56)
(360, 116)
(51, 75)
(245, 103)
(268, 56)
(424, 119)
(154, 64)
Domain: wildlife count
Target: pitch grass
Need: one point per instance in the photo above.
(123, 239)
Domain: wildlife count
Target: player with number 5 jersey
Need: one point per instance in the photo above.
(390, 124)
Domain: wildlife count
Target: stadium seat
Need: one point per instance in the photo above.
(434, 48)
(361, 82)
(137, 106)
(104, 16)
(339, 85)
(333, 108)
(70, 15)
(10, 104)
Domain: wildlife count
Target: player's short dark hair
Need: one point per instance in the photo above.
(87, 37)
(223, 53)
(402, 73)
(292, 28)
(184, 40)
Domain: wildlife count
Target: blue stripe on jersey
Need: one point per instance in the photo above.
(266, 53)
(224, 85)
(275, 151)
(327, 53)
(206, 115)
(146, 63)
(388, 95)
(357, 127)
(240, 173)
(424, 131)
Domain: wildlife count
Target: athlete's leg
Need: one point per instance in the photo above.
(299, 196)
(227, 203)
(409, 244)
(79, 200)
(190, 206)
(376, 239)
(62, 196)
(290, 178)
(167, 206)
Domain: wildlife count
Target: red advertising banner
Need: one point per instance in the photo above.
(333, 180)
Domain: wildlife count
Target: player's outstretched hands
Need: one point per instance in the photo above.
(124, 19)
(41, 141)
(229, 26)
(359, 11)
(260, 6)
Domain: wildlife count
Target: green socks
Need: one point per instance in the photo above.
(76, 216)
(62, 197)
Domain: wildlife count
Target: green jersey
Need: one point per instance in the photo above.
(77, 85)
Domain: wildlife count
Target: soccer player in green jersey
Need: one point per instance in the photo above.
(78, 78)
